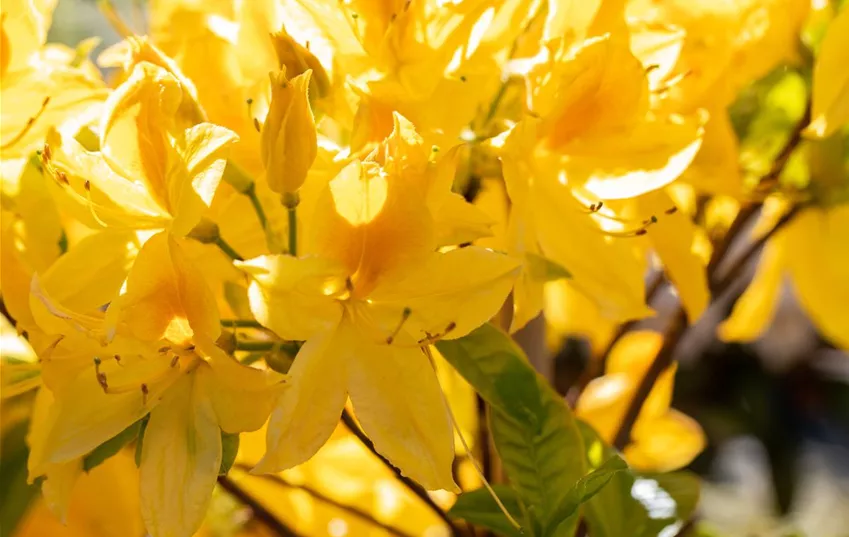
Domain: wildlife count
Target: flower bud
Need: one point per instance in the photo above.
(296, 59)
(289, 143)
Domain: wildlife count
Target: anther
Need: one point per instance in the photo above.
(175, 361)
(163, 350)
(462, 78)
(87, 185)
(641, 231)
(671, 210)
(144, 391)
(405, 314)
(256, 125)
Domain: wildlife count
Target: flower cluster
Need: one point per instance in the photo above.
(261, 216)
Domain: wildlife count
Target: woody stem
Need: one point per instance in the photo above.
(414, 487)
(678, 325)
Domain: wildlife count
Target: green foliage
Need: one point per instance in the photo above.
(142, 429)
(534, 430)
(112, 446)
(637, 505)
(546, 454)
(229, 450)
(479, 507)
(14, 489)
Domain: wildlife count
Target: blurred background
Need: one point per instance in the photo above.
(776, 412)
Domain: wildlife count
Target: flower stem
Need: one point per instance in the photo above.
(260, 212)
(227, 249)
(293, 230)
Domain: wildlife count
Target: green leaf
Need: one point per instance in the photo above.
(479, 508)
(587, 487)
(637, 505)
(111, 447)
(142, 429)
(544, 269)
(229, 450)
(16, 493)
(535, 433)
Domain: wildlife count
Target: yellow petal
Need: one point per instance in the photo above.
(754, 310)
(193, 182)
(295, 297)
(372, 223)
(19, 367)
(830, 105)
(288, 134)
(451, 294)
(84, 416)
(398, 402)
(94, 193)
(181, 456)
(650, 155)
(134, 129)
(607, 270)
(86, 278)
(665, 444)
(59, 485)
(672, 237)
(308, 410)
(166, 296)
(817, 258)
(241, 396)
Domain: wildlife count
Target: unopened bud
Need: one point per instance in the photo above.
(297, 59)
(289, 142)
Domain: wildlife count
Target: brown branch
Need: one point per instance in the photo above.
(720, 286)
(351, 510)
(678, 324)
(263, 515)
(414, 487)
(660, 364)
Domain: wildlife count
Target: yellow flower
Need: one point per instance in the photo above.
(830, 106)
(663, 439)
(149, 173)
(371, 291)
(289, 142)
(152, 352)
(296, 59)
(812, 251)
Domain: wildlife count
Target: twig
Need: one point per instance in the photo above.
(354, 511)
(678, 325)
(661, 362)
(414, 487)
(734, 271)
(258, 510)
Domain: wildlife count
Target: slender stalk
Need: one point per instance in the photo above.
(227, 249)
(293, 230)
(241, 323)
(260, 346)
(414, 487)
(111, 14)
(250, 192)
(277, 526)
(351, 510)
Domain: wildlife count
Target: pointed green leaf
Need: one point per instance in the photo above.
(229, 450)
(111, 447)
(587, 487)
(478, 507)
(534, 430)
